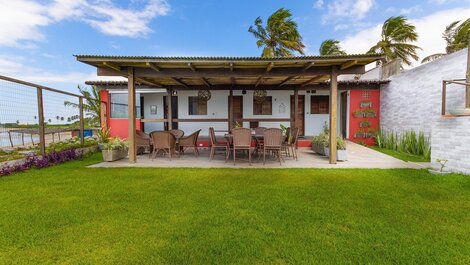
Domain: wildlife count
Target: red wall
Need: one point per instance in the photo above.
(118, 127)
(356, 97)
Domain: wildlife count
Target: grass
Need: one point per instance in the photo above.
(401, 155)
(72, 214)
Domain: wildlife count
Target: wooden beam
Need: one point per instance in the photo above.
(170, 109)
(230, 110)
(316, 78)
(259, 81)
(206, 82)
(148, 82)
(103, 112)
(316, 86)
(333, 114)
(306, 67)
(191, 66)
(348, 64)
(241, 72)
(231, 67)
(112, 66)
(270, 67)
(42, 137)
(296, 106)
(286, 80)
(177, 80)
(131, 115)
(82, 121)
(153, 66)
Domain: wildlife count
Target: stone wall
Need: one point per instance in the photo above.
(451, 141)
(412, 99)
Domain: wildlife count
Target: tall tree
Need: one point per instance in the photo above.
(456, 39)
(91, 106)
(331, 47)
(280, 37)
(397, 33)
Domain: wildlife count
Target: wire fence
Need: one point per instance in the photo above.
(33, 116)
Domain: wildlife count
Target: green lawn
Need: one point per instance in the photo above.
(72, 214)
(400, 155)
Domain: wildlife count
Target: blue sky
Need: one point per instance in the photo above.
(38, 38)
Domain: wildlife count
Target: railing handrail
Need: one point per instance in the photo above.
(6, 78)
(444, 91)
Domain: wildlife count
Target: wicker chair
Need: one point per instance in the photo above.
(218, 145)
(164, 141)
(190, 141)
(273, 143)
(143, 142)
(177, 133)
(259, 130)
(241, 141)
(291, 143)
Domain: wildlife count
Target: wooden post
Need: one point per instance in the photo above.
(333, 113)
(103, 108)
(42, 138)
(230, 110)
(131, 112)
(467, 90)
(82, 121)
(443, 106)
(22, 139)
(32, 141)
(9, 136)
(170, 109)
(296, 106)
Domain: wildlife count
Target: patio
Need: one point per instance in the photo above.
(359, 157)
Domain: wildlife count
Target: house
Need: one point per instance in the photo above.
(254, 92)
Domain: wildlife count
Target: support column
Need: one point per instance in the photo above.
(82, 122)
(296, 106)
(103, 113)
(42, 138)
(131, 111)
(230, 109)
(333, 113)
(467, 90)
(170, 109)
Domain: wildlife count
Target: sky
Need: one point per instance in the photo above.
(39, 38)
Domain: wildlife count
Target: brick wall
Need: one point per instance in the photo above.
(451, 141)
(412, 100)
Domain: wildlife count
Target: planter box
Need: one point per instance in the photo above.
(341, 155)
(366, 104)
(113, 155)
(318, 148)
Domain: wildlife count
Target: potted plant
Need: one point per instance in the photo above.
(114, 149)
(319, 141)
(364, 124)
(366, 104)
(341, 153)
(103, 137)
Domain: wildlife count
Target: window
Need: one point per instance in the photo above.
(118, 102)
(263, 108)
(319, 104)
(197, 106)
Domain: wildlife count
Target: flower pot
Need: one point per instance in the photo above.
(341, 155)
(113, 155)
(318, 148)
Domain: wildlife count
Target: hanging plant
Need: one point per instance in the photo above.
(204, 95)
(260, 95)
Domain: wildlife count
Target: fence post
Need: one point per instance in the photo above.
(82, 122)
(42, 138)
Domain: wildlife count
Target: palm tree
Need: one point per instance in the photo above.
(280, 37)
(91, 105)
(397, 34)
(456, 39)
(331, 47)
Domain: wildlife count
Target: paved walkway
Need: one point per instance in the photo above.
(358, 157)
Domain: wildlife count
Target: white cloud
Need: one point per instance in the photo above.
(318, 4)
(340, 10)
(429, 29)
(21, 21)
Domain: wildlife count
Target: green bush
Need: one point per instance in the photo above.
(407, 142)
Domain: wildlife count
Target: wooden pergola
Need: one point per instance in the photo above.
(233, 73)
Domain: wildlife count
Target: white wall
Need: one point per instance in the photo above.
(412, 99)
(217, 108)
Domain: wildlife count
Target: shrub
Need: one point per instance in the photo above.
(407, 142)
